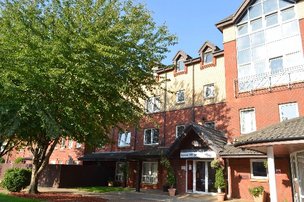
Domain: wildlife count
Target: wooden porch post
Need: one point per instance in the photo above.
(138, 176)
(271, 173)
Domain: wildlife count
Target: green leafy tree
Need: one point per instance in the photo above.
(74, 68)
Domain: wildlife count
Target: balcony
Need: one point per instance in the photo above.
(287, 78)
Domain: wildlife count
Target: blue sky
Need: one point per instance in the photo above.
(192, 21)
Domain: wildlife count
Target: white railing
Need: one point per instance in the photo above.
(270, 80)
(149, 179)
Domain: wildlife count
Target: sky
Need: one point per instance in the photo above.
(192, 21)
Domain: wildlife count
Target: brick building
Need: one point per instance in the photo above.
(237, 104)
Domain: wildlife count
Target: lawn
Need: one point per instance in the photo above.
(8, 198)
(104, 189)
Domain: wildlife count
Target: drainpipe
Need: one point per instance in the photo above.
(165, 110)
(229, 194)
(193, 93)
(271, 173)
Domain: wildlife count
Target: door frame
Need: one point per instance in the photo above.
(297, 189)
(194, 166)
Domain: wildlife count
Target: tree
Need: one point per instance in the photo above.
(74, 68)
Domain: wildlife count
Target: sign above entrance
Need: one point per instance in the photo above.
(197, 154)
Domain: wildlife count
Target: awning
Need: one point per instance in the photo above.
(105, 156)
(285, 137)
(149, 153)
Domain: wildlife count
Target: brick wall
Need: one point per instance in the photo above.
(241, 179)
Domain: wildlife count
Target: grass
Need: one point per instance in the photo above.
(8, 198)
(104, 189)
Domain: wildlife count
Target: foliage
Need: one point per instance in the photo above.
(265, 163)
(104, 189)
(170, 175)
(220, 182)
(2, 160)
(19, 160)
(215, 163)
(74, 68)
(7, 198)
(16, 179)
(256, 191)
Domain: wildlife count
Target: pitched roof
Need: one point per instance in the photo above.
(214, 139)
(289, 130)
(232, 151)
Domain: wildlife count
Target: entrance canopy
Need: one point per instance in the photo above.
(198, 141)
(285, 137)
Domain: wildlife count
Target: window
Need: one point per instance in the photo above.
(208, 57)
(209, 124)
(78, 145)
(179, 130)
(70, 144)
(151, 136)
(288, 111)
(119, 171)
(247, 121)
(153, 104)
(209, 91)
(258, 169)
(62, 144)
(180, 96)
(180, 66)
(264, 36)
(124, 139)
(149, 172)
(276, 64)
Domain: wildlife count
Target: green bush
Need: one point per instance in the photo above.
(2, 160)
(256, 191)
(16, 179)
(18, 160)
(220, 182)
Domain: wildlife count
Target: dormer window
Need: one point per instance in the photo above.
(208, 58)
(180, 66)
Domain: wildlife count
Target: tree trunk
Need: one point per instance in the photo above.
(41, 156)
(33, 188)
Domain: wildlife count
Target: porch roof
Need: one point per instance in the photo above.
(214, 139)
(149, 153)
(285, 137)
(105, 156)
(292, 129)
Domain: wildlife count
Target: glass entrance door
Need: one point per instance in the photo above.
(203, 177)
(297, 171)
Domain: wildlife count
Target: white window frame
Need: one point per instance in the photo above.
(78, 145)
(205, 57)
(151, 178)
(251, 169)
(177, 96)
(176, 129)
(70, 144)
(178, 65)
(127, 140)
(241, 118)
(152, 135)
(212, 94)
(155, 104)
(290, 104)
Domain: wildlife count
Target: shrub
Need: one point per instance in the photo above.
(220, 182)
(256, 191)
(2, 160)
(19, 160)
(16, 179)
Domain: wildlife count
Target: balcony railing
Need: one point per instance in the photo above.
(269, 81)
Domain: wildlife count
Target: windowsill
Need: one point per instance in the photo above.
(209, 98)
(151, 144)
(258, 179)
(124, 146)
(180, 103)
